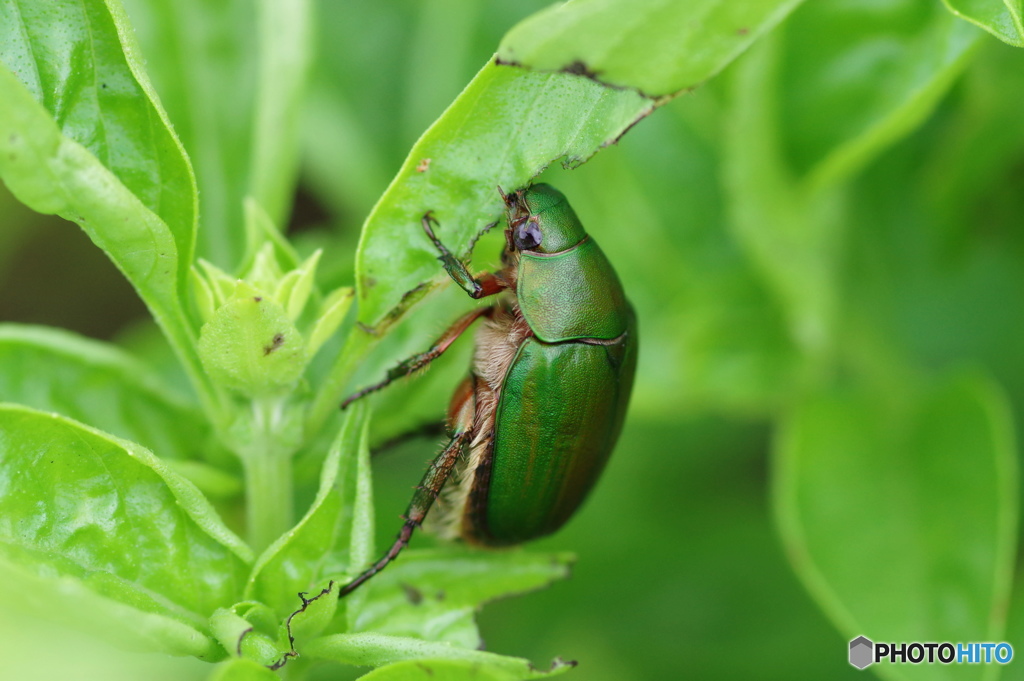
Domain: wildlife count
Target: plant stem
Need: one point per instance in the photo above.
(268, 498)
(268, 475)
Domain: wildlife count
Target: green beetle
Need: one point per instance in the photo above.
(534, 423)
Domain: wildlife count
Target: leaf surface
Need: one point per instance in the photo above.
(77, 504)
(658, 47)
(868, 496)
(99, 384)
(1002, 18)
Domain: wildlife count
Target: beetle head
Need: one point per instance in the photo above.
(540, 220)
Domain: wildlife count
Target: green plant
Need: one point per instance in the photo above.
(120, 491)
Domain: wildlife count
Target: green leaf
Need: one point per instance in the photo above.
(331, 314)
(241, 637)
(511, 123)
(52, 173)
(97, 383)
(975, 151)
(75, 602)
(285, 54)
(900, 515)
(461, 670)
(80, 62)
(318, 546)
(434, 595)
(805, 117)
(854, 78)
(203, 61)
(240, 669)
(791, 236)
(506, 126)
(1002, 18)
(659, 47)
(361, 548)
(80, 505)
(374, 650)
(235, 102)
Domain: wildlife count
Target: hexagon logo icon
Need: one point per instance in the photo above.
(861, 649)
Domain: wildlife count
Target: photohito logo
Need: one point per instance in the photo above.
(864, 652)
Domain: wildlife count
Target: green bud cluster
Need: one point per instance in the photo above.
(261, 329)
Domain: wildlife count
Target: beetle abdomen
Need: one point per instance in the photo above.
(559, 414)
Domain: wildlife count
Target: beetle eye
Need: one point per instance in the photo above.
(528, 235)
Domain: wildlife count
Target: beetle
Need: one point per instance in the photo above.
(534, 423)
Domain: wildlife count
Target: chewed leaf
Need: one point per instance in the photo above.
(506, 126)
(81, 505)
(658, 47)
(546, 98)
(434, 595)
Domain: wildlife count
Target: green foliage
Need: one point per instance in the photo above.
(387, 652)
(656, 47)
(852, 461)
(820, 230)
(114, 521)
(333, 536)
(1005, 20)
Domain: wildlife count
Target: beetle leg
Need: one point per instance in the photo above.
(427, 491)
(487, 284)
(417, 362)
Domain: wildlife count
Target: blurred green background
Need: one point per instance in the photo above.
(838, 214)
